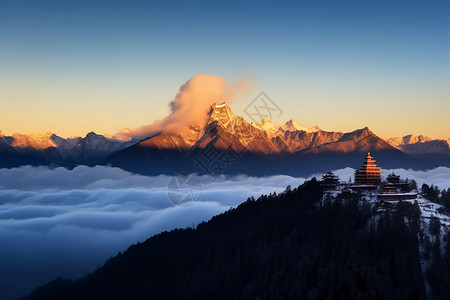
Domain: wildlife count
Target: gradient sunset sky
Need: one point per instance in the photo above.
(71, 67)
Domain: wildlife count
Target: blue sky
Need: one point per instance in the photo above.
(75, 66)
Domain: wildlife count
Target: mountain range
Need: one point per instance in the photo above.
(226, 144)
(420, 144)
(230, 144)
(435, 152)
(49, 149)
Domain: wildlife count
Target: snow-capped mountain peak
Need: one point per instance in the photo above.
(267, 126)
(273, 130)
(291, 125)
(221, 113)
(38, 141)
(408, 139)
(420, 144)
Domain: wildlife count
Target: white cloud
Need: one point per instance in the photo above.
(191, 105)
(60, 222)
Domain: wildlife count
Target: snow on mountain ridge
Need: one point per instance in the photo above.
(231, 130)
(291, 125)
(219, 113)
(267, 126)
(223, 114)
(266, 137)
(420, 144)
(47, 146)
(408, 139)
(38, 141)
(65, 145)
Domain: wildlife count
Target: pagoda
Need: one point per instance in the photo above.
(330, 180)
(369, 173)
(392, 178)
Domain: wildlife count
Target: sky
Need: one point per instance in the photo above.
(61, 222)
(71, 67)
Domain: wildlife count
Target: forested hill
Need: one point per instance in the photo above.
(275, 247)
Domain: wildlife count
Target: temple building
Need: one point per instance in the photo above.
(392, 178)
(369, 173)
(330, 180)
(391, 193)
(399, 184)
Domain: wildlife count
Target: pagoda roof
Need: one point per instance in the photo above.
(392, 175)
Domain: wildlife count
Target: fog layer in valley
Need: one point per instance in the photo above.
(60, 222)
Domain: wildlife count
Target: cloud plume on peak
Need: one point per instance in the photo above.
(191, 105)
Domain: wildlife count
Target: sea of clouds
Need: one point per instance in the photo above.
(60, 222)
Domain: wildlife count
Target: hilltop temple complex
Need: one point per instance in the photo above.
(368, 180)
